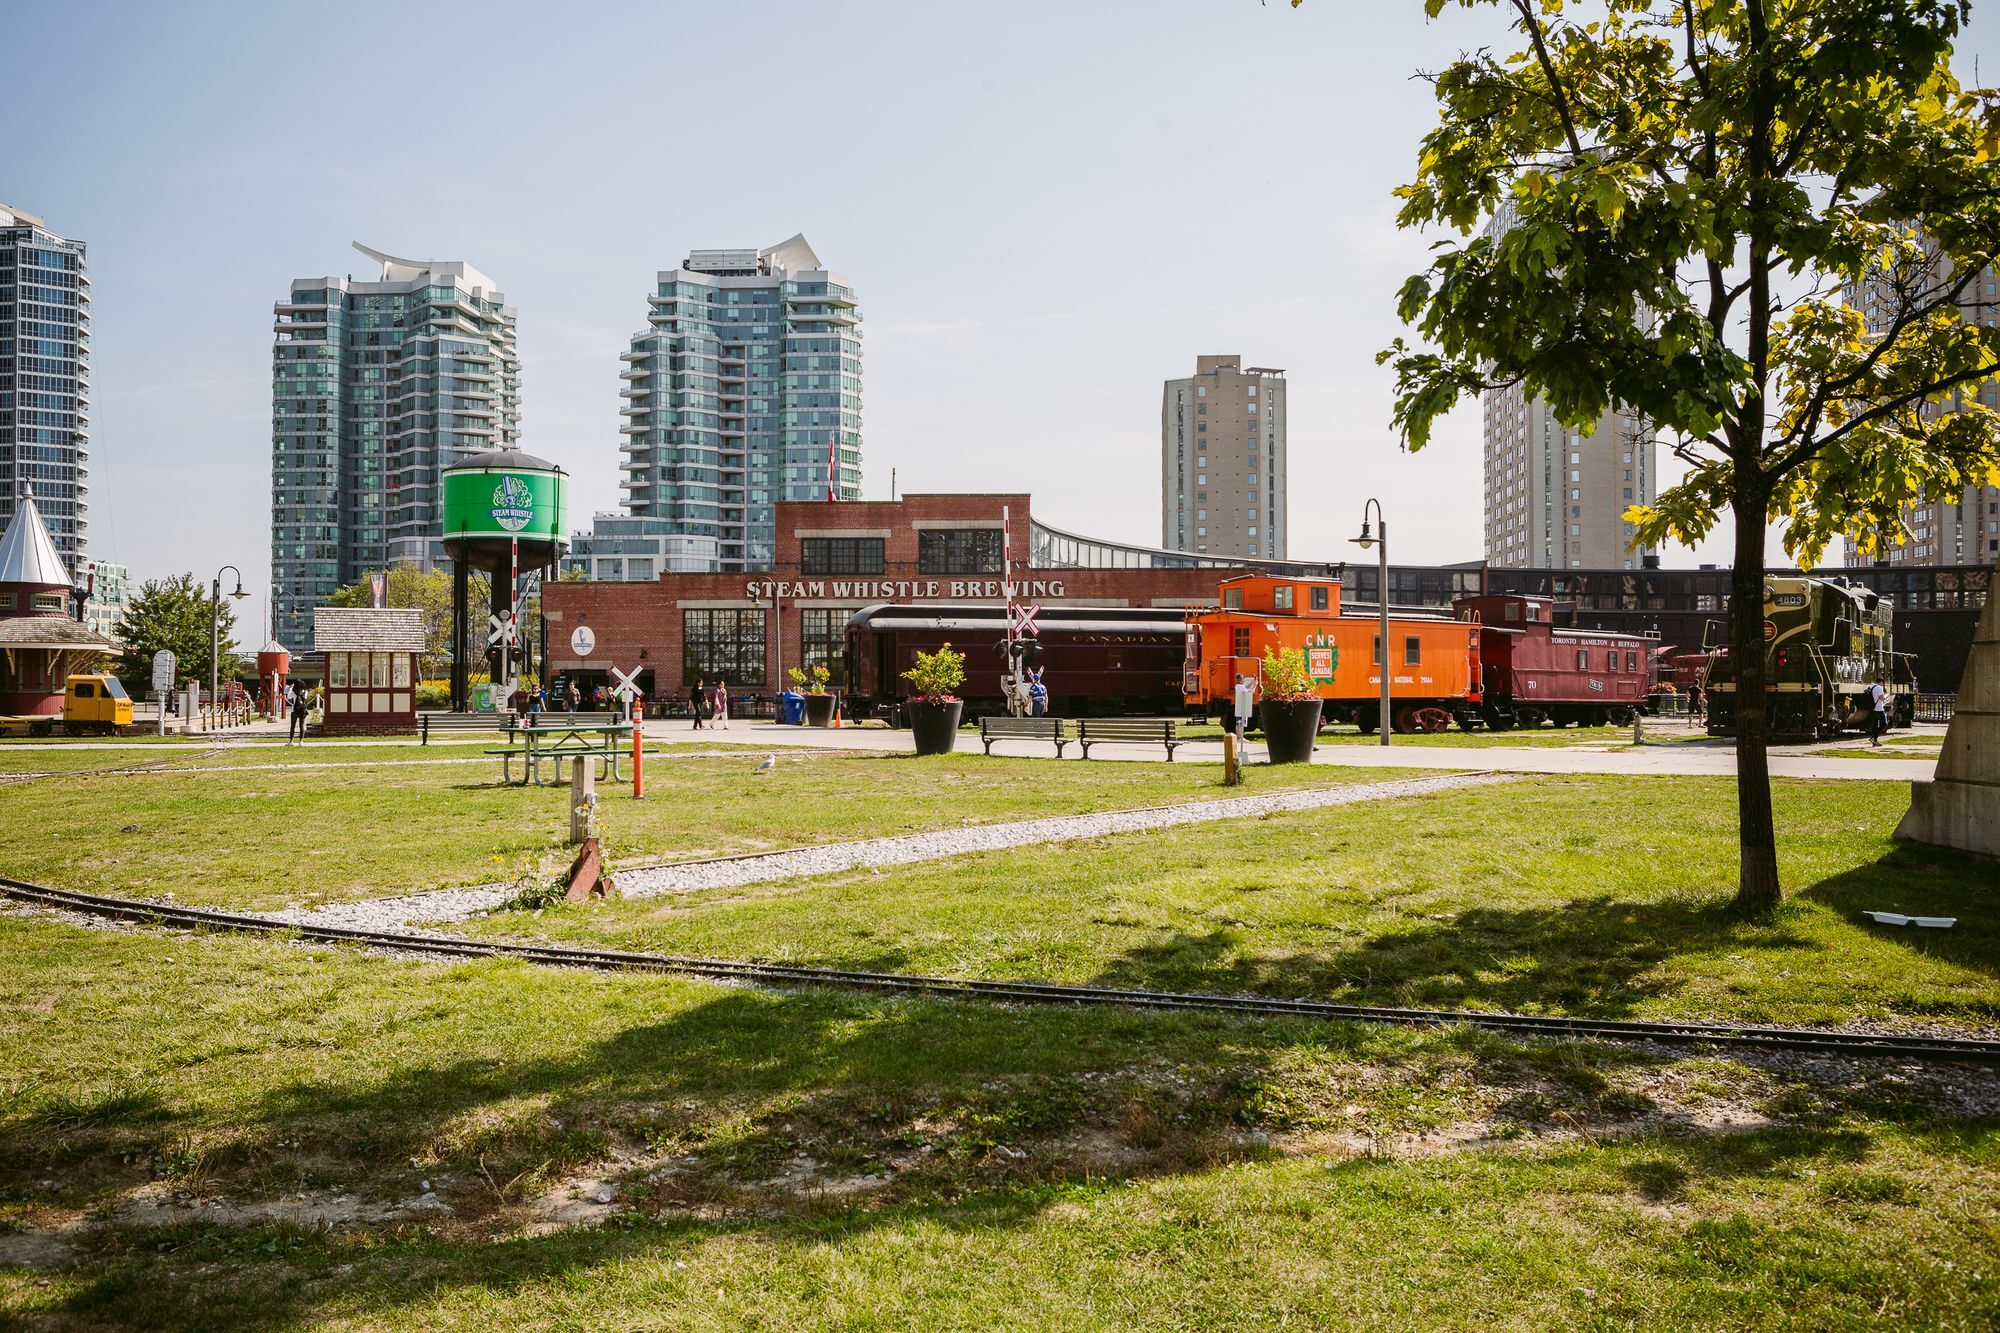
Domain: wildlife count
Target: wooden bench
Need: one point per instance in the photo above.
(1163, 730)
(993, 729)
(441, 722)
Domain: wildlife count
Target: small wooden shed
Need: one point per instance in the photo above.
(368, 660)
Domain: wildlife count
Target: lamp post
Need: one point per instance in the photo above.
(1381, 543)
(215, 629)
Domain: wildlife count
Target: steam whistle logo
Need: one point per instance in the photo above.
(513, 504)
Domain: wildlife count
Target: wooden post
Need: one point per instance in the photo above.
(1232, 772)
(582, 800)
(638, 760)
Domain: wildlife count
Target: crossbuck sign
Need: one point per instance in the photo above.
(627, 688)
(502, 629)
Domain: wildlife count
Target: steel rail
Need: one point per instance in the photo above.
(1737, 1036)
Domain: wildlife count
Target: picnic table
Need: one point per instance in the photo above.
(535, 743)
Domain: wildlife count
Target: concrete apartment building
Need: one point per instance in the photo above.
(1555, 498)
(1963, 529)
(1223, 460)
(743, 391)
(45, 379)
(377, 386)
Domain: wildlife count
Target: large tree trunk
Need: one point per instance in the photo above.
(1757, 890)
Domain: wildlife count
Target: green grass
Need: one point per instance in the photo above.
(1453, 739)
(262, 836)
(1041, 1168)
(1604, 896)
(55, 757)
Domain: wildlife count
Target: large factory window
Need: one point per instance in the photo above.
(723, 645)
(840, 555)
(823, 641)
(958, 551)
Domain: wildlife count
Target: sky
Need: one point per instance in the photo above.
(1047, 209)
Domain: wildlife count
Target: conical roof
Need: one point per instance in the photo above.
(504, 459)
(27, 553)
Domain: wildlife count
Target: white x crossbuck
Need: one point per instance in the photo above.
(501, 628)
(627, 687)
(1024, 621)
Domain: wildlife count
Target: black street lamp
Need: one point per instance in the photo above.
(1381, 543)
(215, 628)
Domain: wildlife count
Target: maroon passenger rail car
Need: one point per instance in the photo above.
(1536, 672)
(1097, 661)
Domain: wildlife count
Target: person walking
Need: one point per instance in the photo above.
(535, 701)
(719, 699)
(1878, 712)
(1038, 695)
(1694, 702)
(296, 698)
(1245, 699)
(698, 701)
(575, 696)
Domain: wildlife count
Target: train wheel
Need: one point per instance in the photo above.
(1406, 720)
(1496, 719)
(1619, 717)
(1528, 719)
(1432, 720)
(41, 728)
(1367, 721)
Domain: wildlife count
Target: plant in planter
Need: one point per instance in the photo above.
(1290, 708)
(934, 709)
(812, 682)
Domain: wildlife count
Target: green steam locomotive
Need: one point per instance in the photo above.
(1825, 643)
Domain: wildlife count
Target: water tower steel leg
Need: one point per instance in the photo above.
(460, 594)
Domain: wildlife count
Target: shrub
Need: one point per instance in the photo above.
(812, 679)
(937, 674)
(433, 696)
(1285, 678)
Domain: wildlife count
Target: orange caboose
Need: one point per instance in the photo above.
(1434, 680)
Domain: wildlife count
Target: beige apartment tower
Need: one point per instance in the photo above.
(1556, 498)
(1223, 461)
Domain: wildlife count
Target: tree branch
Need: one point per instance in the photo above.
(1534, 28)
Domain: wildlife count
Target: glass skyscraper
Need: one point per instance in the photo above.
(376, 388)
(744, 390)
(45, 379)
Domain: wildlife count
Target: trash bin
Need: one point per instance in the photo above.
(791, 709)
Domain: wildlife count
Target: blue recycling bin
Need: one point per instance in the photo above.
(791, 709)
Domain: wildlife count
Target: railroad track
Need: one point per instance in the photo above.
(1730, 1036)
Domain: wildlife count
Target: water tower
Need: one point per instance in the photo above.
(507, 513)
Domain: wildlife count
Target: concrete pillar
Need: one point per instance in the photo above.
(1961, 806)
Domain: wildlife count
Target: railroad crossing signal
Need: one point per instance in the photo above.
(502, 629)
(1024, 621)
(627, 687)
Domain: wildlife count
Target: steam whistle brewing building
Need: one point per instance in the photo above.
(832, 559)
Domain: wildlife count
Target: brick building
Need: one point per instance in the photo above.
(832, 559)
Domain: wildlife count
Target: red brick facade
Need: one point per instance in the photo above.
(640, 624)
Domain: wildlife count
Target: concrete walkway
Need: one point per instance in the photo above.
(1679, 758)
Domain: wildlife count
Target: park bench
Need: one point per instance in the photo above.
(443, 722)
(1091, 730)
(993, 729)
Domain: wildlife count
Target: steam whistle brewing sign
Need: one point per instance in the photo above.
(513, 504)
(525, 504)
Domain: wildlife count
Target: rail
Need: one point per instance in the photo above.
(1899, 1046)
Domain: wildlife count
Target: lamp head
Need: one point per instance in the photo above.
(1366, 540)
(239, 594)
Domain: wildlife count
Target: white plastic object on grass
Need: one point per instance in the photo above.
(1898, 919)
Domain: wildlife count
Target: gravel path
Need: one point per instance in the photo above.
(441, 905)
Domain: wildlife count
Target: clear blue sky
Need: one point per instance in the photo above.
(1047, 208)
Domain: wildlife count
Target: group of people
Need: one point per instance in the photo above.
(709, 703)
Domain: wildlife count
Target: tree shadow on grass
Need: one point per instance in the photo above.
(1919, 880)
(1598, 957)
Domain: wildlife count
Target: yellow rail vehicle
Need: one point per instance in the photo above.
(94, 703)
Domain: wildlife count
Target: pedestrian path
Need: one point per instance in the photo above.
(875, 853)
(1672, 758)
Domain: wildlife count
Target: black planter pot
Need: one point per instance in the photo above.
(1289, 728)
(819, 710)
(934, 726)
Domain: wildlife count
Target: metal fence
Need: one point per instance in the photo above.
(1935, 707)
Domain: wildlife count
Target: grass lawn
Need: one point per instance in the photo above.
(261, 836)
(1604, 896)
(1545, 736)
(814, 1160)
(54, 757)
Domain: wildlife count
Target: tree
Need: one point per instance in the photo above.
(428, 590)
(173, 614)
(1703, 189)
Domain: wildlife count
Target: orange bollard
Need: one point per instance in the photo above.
(638, 760)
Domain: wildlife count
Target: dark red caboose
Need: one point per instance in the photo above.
(1535, 671)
